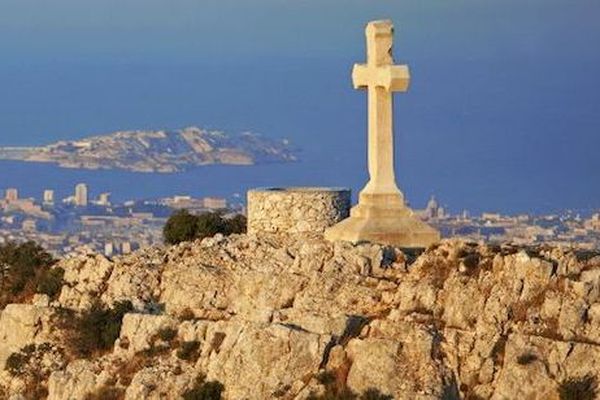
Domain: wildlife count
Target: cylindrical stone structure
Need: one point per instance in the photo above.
(296, 209)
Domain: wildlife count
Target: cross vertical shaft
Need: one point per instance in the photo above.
(381, 214)
(381, 139)
(381, 78)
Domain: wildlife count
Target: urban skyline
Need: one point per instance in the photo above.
(81, 223)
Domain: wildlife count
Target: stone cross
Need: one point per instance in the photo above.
(381, 214)
(381, 78)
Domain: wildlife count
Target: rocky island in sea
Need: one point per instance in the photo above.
(157, 151)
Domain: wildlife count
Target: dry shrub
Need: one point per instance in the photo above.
(25, 269)
(584, 388)
(189, 351)
(203, 390)
(337, 389)
(107, 392)
(93, 332)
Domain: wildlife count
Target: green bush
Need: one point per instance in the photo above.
(183, 226)
(209, 224)
(98, 328)
(583, 388)
(236, 224)
(22, 267)
(180, 227)
(203, 390)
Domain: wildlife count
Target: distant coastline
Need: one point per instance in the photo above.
(157, 151)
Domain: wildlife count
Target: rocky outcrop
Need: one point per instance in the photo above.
(23, 324)
(265, 316)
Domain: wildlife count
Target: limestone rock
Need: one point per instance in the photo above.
(267, 315)
(23, 324)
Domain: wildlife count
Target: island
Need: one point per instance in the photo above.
(157, 151)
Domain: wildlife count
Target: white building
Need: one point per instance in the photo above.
(104, 199)
(29, 225)
(48, 196)
(125, 247)
(12, 194)
(81, 195)
(214, 203)
(109, 249)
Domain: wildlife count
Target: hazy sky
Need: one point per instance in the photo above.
(503, 112)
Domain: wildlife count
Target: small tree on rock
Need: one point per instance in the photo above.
(183, 226)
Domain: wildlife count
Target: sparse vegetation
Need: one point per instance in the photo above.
(96, 329)
(584, 388)
(336, 389)
(167, 334)
(180, 227)
(472, 396)
(106, 392)
(526, 358)
(498, 351)
(183, 226)
(128, 368)
(16, 362)
(203, 390)
(412, 254)
(187, 315)
(471, 261)
(188, 351)
(583, 255)
(374, 394)
(24, 269)
(26, 364)
(51, 281)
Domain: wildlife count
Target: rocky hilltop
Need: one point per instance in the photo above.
(157, 151)
(284, 317)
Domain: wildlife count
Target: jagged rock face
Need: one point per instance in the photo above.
(264, 315)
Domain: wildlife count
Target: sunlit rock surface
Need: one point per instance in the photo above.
(267, 314)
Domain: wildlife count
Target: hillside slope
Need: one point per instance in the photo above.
(269, 315)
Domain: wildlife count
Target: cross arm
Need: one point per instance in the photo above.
(394, 78)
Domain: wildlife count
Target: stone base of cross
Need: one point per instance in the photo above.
(381, 215)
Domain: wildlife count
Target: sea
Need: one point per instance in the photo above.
(229, 181)
(477, 153)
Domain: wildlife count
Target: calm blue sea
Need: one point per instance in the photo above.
(226, 181)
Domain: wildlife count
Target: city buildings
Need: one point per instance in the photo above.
(12, 195)
(103, 199)
(75, 225)
(195, 205)
(49, 197)
(215, 203)
(112, 228)
(81, 195)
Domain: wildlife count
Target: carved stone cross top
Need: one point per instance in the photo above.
(380, 69)
(381, 78)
